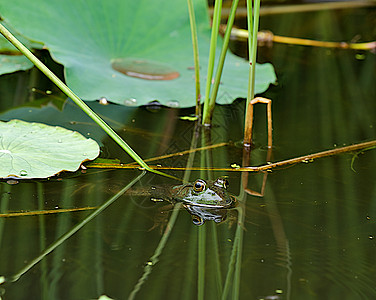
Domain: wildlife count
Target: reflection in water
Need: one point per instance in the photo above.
(201, 215)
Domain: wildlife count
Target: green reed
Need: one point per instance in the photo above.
(192, 20)
(253, 24)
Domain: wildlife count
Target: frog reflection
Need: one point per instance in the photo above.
(203, 200)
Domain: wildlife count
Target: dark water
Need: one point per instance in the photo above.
(312, 235)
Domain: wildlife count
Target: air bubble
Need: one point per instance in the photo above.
(130, 102)
(103, 101)
(23, 173)
(173, 103)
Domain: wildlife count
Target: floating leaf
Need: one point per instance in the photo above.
(34, 150)
(131, 52)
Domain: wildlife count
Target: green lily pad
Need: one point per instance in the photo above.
(131, 52)
(35, 150)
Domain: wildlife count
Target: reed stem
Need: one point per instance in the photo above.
(253, 24)
(213, 46)
(192, 20)
(218, 75)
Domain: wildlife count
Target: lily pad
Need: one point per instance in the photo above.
(35, 150)
(131, 52)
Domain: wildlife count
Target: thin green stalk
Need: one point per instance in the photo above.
(216, 258)
(76, 99)
(157, 253)
(256, 19)
(170, 225)
(217, 79)
(234, 265)
(5, 190)
(213, 46)
(250, 54)
(44, 284)
(239, 241)
(253, 25)
(201, 262)
(187, 292)
(192, 20)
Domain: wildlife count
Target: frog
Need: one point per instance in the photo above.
(204, 200)
(201, 193)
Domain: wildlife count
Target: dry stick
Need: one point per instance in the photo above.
(267, 37)
(299, 8)
(310, 157)
(248, 141)
(249, 121)
(45, 212)
(305, 159)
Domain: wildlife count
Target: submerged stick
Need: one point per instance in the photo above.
(45, 212)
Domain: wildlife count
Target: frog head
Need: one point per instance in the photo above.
(211, 194)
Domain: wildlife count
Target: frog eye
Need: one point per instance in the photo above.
(197, 220)
(199, 185)
(222, 182)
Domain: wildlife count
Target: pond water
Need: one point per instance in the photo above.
(311, 236)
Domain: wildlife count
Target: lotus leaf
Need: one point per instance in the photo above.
(35, 150)
(131, 52)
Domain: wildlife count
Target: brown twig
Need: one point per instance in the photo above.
(266, 167)
(45, 212)
(249, 121)
(267, 38)
(299, 8)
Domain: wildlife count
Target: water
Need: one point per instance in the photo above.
(309, 237)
